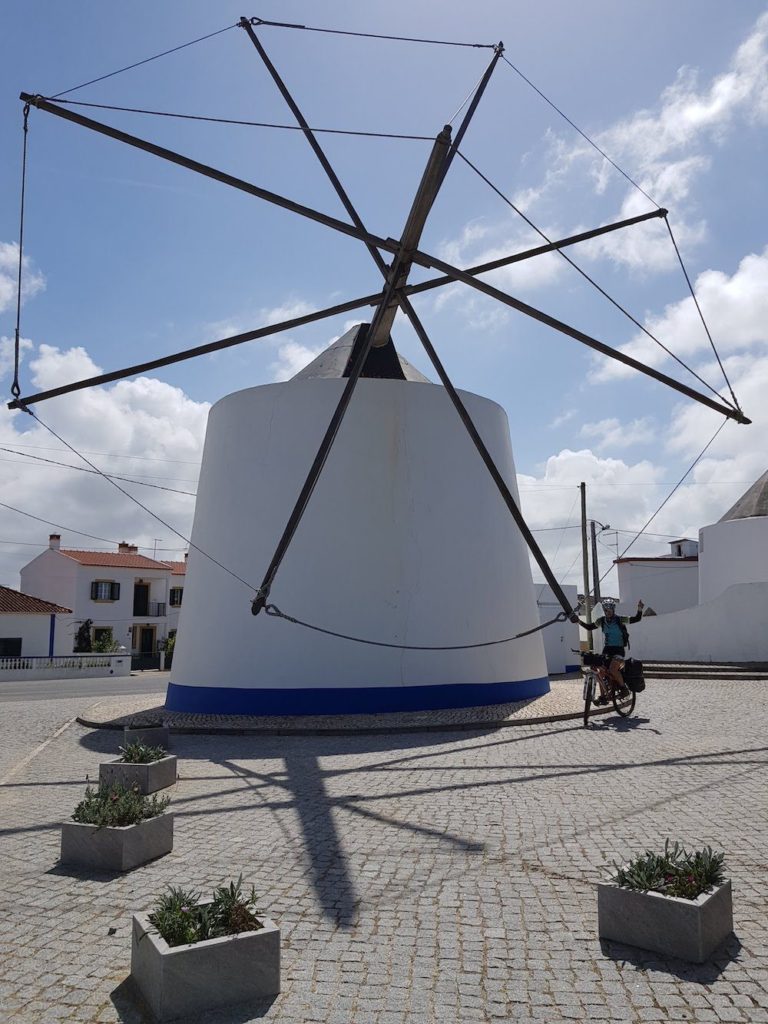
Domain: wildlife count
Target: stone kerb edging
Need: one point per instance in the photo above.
(564, 703)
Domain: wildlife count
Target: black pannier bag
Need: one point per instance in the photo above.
(633, 675)
(592, 660)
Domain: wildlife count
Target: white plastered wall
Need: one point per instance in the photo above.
(666, 585)
(405, 540)
(735, 551)
(561, 638)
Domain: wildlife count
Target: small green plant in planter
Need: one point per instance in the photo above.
(673, 873)
(115, 806)
(190, 954)
(180, 917)
(141, 753)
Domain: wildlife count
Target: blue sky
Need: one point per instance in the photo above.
(129, 257)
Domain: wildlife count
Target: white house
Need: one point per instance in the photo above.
(127, 596)
(666, 583)
(31, 627)
(730, 620)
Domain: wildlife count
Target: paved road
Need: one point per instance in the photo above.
(60, 689)
(416, 878)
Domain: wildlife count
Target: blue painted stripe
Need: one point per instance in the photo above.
(227, 700)
(51, 635)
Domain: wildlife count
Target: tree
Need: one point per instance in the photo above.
(83, 638)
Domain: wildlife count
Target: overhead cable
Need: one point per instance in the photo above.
(82, 469)
(66, 529)
(137, 502)
(15, 388)
(156, 56)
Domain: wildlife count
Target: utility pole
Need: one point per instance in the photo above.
(585, 563)
(595, 569)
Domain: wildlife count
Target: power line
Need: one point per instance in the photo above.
(66, 529)
(81, 469)
(113, 455)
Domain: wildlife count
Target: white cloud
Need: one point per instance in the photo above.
(292, 357)
(7, 353)
(32, 281)
(140, 428)
(736, 310)
(610, 433)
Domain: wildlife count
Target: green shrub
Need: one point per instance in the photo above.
(141, 753)
(114, 805)
(179, 918)
(673, 873)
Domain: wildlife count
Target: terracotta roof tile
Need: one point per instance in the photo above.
(178, 568)
(118, 560)
(12, 602)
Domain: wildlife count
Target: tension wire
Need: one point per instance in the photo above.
(256, 22)
(15, 389)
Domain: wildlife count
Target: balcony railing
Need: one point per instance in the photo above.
(25, 663)
(148, 609)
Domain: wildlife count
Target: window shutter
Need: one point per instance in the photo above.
(94, 591)
(114, 592)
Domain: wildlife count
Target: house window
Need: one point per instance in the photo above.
(105, 590)
(10, 646)
(175, 596)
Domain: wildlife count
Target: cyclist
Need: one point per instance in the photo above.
(615, 641)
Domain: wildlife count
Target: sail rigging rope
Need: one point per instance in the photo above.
(257, 22)
(584, 135)
(138, 64)
(15, 387)
(604, 293)
(698, 458)
(235, 121)
(698, 307)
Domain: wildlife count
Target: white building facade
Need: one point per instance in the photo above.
(127, 596)
(666, 583)
(31, 627)
(561, 639)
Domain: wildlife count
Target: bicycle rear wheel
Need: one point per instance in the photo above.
(624, 704)
(589, 694)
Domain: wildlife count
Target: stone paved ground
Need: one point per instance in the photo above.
(417, 878)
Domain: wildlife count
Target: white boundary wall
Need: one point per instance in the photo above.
(735, 551)
(561, 638)
(732, 627)
(71, 666)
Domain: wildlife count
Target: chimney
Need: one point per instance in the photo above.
(127, 549)
(54, 541)
(186, 555)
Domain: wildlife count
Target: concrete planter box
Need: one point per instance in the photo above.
(689, 929)
(147, 778)
(179, 981)
(113, 848)
(152, 735)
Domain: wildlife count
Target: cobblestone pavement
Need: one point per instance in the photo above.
(564, 700)
(416, 878)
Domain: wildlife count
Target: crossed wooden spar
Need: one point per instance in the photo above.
(394, 296)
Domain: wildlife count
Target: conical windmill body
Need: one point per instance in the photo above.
(405, 541)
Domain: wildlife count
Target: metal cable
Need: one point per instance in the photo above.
(594, 284)
(15, 388)
(137, 502)
(698, 307)
(129, 67)
(367, 35)
(584, 135)
(58, 526)
(661, 506)
(81, 469)
(273, 610)
(230, 120)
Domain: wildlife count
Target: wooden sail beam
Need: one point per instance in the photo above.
(390, 245)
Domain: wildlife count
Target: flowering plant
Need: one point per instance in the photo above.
(181, 918)
(676, 872)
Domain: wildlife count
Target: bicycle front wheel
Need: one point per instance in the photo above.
(589, 695)
(624, 704)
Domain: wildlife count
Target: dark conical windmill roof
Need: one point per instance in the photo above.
(753, 502)
(384, 362)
